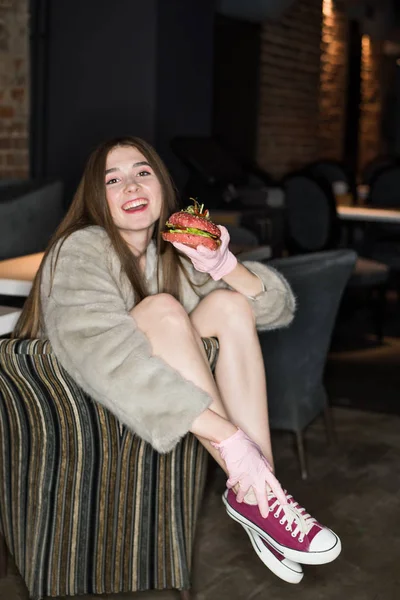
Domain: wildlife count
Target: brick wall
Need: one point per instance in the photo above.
(289, 89)
(332, 107)
(370, 142)
(14, 89)
(303, 87)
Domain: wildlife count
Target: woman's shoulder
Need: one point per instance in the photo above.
(80, 254)
(92, 236)
(89, 242)
(90, 245)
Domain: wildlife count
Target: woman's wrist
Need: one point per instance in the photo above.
(245, 281)
(211, 426)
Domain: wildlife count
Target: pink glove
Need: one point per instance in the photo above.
(247, 466)
(217, 263)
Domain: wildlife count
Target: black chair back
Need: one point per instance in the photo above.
(385, 188)
(384, 193)
(333, 171)
(311, 220)
(376, 165)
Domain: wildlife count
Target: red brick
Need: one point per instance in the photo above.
(6, 112)
(18, 63)
(5, 143)
(18, 94)
(289, 88)
(14, 120)
(17, 159)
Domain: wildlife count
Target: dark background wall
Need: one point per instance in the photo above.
(395, 110)
(236, 85)
(112, 68)
(185, 49)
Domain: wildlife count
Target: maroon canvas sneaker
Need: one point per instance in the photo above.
(288, 528)
(282, 567)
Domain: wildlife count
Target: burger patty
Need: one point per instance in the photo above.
(193, 231)
(191, 239)
(183, 220)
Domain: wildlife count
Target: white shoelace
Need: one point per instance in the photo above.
(293, 515)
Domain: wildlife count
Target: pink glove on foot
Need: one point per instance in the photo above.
(247, 466)
(216, 263)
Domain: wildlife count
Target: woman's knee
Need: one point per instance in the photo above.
(160, 311)
(229, 306)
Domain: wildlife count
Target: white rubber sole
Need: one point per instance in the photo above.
(305, 558)
(289, 571)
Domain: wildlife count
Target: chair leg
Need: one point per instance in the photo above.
(302, 454)
(379, 310)
(185, 594)
(3, 557)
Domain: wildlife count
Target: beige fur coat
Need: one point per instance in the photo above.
(98, 343)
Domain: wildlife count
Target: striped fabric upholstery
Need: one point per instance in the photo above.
(85, 505)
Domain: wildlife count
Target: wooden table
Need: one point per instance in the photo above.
(8, 318)
(369, 215)
(16, 277)
(17, 274)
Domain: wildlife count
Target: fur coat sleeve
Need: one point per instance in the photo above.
(98, 343)
(276, 306)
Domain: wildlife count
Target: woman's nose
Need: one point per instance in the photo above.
(132, 184)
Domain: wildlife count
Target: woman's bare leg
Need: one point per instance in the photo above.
(174, 339)
(239, 373)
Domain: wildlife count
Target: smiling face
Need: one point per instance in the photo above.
(133, 192)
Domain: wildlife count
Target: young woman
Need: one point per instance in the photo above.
(126, 313)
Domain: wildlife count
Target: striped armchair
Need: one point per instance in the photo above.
(85, 505)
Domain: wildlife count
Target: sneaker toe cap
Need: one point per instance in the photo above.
(324, 541)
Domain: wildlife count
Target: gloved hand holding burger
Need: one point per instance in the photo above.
(192, 232)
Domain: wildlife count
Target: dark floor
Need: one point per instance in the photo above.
(362, 373)
(353, 487)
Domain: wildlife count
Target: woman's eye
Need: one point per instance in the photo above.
(110, 181)
(144, 173)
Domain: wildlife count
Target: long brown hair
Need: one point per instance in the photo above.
(90, 207)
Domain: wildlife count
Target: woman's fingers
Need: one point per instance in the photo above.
(191, 252)
(262, 500)
(232, 481)
(274, 484)
(225, 237)
(205, 252)
(241, 494)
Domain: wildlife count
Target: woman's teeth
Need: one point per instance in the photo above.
(134, 204)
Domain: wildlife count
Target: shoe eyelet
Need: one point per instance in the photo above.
(271, 508)
(281, 521)
(293, 534)
(276, 515)
(288, 529)
(301, 540)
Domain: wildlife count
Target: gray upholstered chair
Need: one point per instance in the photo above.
(85, 505)
(30, 212)
(295, 356)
